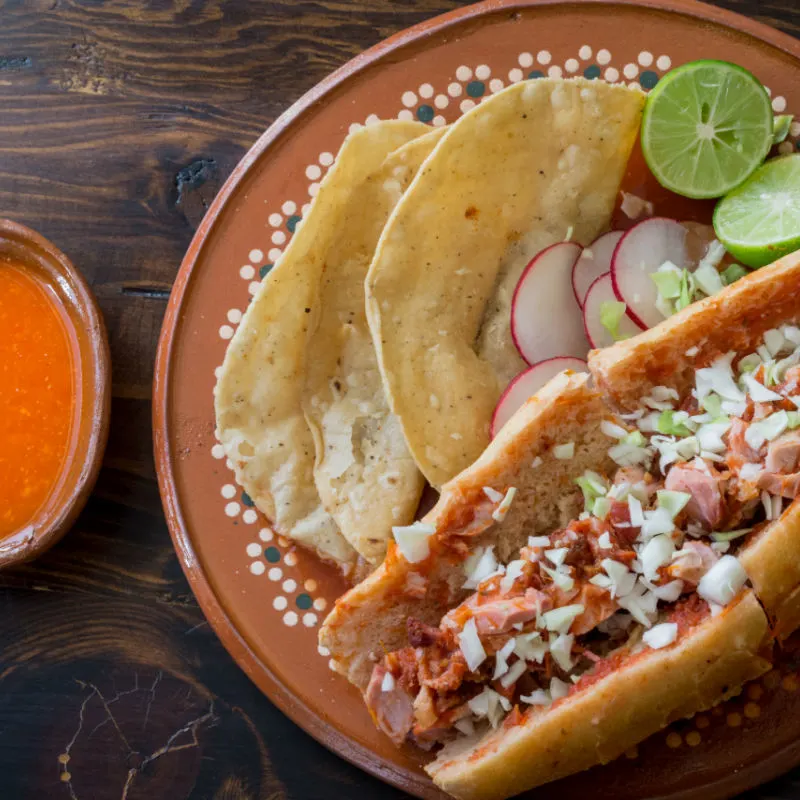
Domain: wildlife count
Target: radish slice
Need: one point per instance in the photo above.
(595, 261)
(529, 382)
(602, 291)
(545, 317)
(640, 252)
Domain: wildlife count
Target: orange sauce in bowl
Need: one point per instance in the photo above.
(38, 387)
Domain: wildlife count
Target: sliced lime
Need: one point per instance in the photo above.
(760, 220)
(707, 125)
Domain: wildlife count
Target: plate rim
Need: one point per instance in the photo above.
(299, 712)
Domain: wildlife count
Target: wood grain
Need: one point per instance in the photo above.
(119, 121)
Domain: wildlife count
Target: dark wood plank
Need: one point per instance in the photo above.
(119, 121)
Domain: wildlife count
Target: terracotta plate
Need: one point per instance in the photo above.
(264, 597)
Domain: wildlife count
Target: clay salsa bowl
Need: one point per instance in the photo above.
(91, 364)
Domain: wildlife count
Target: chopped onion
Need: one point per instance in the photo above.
(757, 391)
(558, 689)
(723, 581)
(669, 592)
(538, 541)
(500, 663)
(564, 451)
(561, 579)
(708, 279)
(749, 472)
(388, 683)
(493, 494)
(672, 502)
(479, 566)
(622, 578)
(538, 697)
(629, 455)
(655, 554)
(537, 462)
(766, 429)
(471, 647)
(655, 522)
(718, 378)
(709, 437)
(516, 671)
(661, 635)
(561, 650)
(412, 541)
(499, 514)
(635, 511)
(774, 341)
(559, 619)
(514, 570)
(604, 541)
(531, 647)
(601, 508)
(465, 726)
(613, 430)
(557, 555)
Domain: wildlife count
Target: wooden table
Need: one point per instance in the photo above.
(119, 121)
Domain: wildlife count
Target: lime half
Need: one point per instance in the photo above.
(760, 221)
(706, 126)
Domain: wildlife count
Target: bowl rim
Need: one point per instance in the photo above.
(72, 294)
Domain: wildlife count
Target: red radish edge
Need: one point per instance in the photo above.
(520, 283)
(570, 362)
(615, 283)
(633, 323)
(607, 267)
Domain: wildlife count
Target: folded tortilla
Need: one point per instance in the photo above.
(258, 398)
(530, 166)
(364, 474)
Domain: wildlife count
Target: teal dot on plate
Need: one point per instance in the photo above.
(303, 601)
(648, 79)
(591, 72)
(476, 88)
(425, 113)
(247, 500)
(273, 555)
(537, 73)
(264, 270)
(291, 223)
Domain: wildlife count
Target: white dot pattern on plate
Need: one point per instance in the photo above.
(274, 557)
(225, 331)
(290, 619)
(323, 651)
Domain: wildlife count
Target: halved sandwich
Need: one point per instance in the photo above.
(601, 570)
